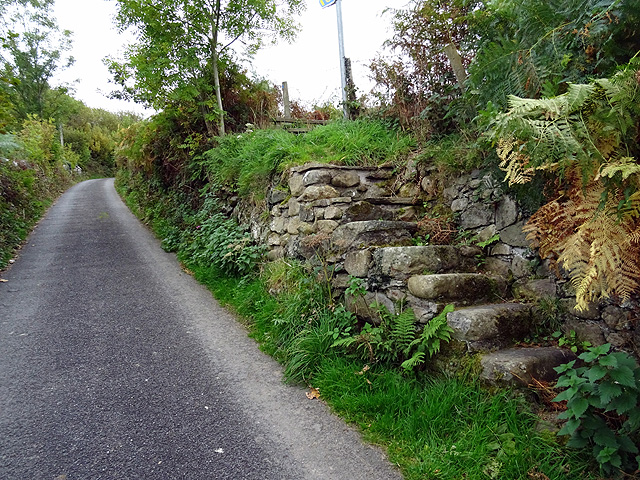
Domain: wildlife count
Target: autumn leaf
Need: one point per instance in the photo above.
(313, 393)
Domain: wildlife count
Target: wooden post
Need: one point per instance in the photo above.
(455, 60)
(352, 108)
(285, 100)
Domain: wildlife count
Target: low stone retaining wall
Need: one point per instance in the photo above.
(356, 218)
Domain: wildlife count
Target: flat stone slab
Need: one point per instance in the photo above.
(489, 326)
(520, 366)
(403, 262)
(458, 288)
(356, 235)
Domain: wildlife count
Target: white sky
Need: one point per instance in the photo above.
(310, 66)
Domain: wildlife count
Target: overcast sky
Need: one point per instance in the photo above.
(310, 66)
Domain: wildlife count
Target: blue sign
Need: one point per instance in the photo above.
(326, 3)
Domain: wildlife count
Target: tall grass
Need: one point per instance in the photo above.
(248, 162)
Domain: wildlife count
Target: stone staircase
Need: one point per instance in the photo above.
(363, 220)
(486, 319)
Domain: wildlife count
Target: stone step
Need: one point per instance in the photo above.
(485, 327)
(521, 366)
(358, 235)
(400, 263)
(460, 289)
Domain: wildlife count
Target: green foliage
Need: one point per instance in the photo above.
(397, 341)
(444, 428)
(588, 137)
(221, 242)
(603, 407)
(187, 44)
(246, 163)
(32, 51)
(532, 48)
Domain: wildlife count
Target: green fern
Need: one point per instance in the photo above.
(430, 340)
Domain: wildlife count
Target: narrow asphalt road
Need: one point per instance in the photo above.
(115, 364)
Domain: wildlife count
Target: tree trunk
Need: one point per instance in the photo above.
(216, 83)
(216, 73)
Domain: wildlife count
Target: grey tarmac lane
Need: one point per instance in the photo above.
(115, 364)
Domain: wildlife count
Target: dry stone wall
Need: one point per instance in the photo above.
(362, 221)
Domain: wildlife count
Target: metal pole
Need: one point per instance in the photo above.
(343, 75)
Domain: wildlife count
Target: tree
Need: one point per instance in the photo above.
(32, 51)
(183, 44)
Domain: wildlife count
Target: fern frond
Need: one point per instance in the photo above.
(417, 359)
(403, 330)
(626, 166)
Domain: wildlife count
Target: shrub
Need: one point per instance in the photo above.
(603, 407)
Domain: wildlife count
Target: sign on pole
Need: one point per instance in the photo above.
(326, 3)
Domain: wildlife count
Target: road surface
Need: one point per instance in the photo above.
(115, 364)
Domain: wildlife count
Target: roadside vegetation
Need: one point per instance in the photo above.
(48, 140)
(543, 94)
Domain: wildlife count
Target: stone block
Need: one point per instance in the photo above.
(586, 331)
(333, 213)
(367, 307)
(409, 190)
(514, 236)
(326, 226)
(535, 289)
(307, 214)
(372, 233)
(278, 224)
(486, 233)
(296, 184)
(616, 318)
(458, 288)
(506, 213)
(459, 204)
(488, 326)
(313, 177)
(346, 180)
(306, 228)
(408, 214)
(500, 249)
(292, 226)
(277, 196)
(273, 240)
(428, 186)
(519, 366)
(376, 191)
(294, 207)
(403, 262)
(357, 263)
(477, 215)
(275, 253)
(317, 192)
(364, 211)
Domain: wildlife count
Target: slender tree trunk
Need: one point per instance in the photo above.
(216, 83)
(216, 73)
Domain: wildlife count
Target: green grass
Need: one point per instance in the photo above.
(249, 161)
(433, 427)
